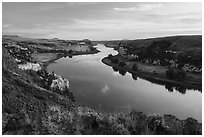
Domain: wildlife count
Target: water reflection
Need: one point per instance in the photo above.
(122, 72)
(134, 76)
(169, 86)
(115, 69)
(94, 83)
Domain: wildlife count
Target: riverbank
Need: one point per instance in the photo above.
(49, 58)
(28, 108)
(154, 77)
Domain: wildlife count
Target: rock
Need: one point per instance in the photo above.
(30, 66)
(59, 84)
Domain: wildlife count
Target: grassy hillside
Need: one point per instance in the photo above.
(187, 42)
(29, 108)
(185, 49)
(178, 43)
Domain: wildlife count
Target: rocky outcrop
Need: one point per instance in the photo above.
(30, 66)
(60, 85)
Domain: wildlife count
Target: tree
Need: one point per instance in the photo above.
(115, 69)
(181, 75)
(122, 72)
(176, 74)
(92, 48)
(70, 51)
(135, 67)
(110, 56)
(115, 61)
(87, 41)
(122, 64)
(170, 73)
(134, 76)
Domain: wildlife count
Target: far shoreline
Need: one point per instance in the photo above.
(44, 65)
(149, 77)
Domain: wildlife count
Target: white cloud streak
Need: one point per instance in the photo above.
(125, 9)
(140, 7)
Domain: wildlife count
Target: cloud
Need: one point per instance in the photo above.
(99, 29)
(145, 7)
(6, 26)
(140, 7)
(105, 89)
(125, 9)
(50, 6)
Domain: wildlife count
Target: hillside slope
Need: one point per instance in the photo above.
(177, 42)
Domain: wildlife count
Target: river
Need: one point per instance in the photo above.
(98, 86)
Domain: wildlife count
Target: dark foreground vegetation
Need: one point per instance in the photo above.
(30, 106)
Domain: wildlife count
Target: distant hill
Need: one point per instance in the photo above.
(187, 48)
(42, 42)
(187, 42)
(177, 42)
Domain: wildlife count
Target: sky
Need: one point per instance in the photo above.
(101, 20)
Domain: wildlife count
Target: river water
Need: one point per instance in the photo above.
(98, 86)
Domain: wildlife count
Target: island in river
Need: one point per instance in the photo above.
(35, 101)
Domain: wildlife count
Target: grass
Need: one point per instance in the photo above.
(44, 57)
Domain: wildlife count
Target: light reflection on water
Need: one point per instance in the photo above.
(100, 87)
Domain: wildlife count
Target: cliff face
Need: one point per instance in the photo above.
(30, 105)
